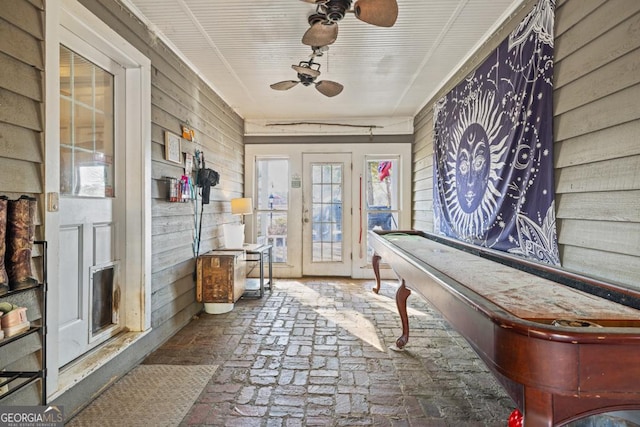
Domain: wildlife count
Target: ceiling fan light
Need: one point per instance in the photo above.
(382, 13)
(321, 34)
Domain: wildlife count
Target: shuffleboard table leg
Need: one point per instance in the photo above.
(375, 262)
(401, 301)
(538, 408)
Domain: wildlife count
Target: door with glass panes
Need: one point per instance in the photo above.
(91, 120)
(326, 215)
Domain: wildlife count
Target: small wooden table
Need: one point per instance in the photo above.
(260, 254)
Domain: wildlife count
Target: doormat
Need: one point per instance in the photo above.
(149, 395)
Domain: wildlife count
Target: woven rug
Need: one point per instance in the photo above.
(149, 395)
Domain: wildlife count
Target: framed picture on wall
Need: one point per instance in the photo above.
(172, 149)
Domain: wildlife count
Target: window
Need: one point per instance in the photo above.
(272, 179)
(86, 127)
(382, 199)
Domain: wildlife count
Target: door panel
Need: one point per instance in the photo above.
(85, 241)
(70, 311)
(326, 215)
(91, 127)
(103, 237)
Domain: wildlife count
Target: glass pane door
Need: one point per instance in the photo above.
(326, 215)
(90, 233)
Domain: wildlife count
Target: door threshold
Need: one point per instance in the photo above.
(81, 368)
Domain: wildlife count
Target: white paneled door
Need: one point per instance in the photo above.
(326, 216)
(91, 119)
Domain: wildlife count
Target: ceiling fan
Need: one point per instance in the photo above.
(324, 23)
(308, 72)
(318, 51)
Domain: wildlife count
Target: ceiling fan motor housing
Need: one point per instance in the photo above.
(336, 9)
(316, 18)
(306, 79)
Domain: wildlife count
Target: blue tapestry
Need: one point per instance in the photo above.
(493, 147)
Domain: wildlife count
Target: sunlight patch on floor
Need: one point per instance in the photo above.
(350, 320)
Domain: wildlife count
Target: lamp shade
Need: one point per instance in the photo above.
(242, 206)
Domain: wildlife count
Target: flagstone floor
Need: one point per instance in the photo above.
(316, 352)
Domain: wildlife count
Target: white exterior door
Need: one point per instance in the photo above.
(90, 236)
(326, 215)
(112, 263)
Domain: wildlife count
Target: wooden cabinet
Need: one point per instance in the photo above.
(220, 279)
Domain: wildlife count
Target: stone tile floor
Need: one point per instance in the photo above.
(316, 352)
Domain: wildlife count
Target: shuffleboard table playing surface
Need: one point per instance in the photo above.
(562, 347)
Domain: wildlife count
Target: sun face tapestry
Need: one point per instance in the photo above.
(493, 147)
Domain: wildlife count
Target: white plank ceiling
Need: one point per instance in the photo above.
(240, 47)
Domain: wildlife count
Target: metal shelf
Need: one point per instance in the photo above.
(29, 377)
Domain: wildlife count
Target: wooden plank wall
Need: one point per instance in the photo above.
(21, 98)
(21, 154)
(596, 128)
(179, 96)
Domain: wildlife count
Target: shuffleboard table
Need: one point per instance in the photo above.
(563, 346)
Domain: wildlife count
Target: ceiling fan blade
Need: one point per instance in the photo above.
(329, 88)
(382, 13)
(287, 84)
(306, 71)
(321, 34)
